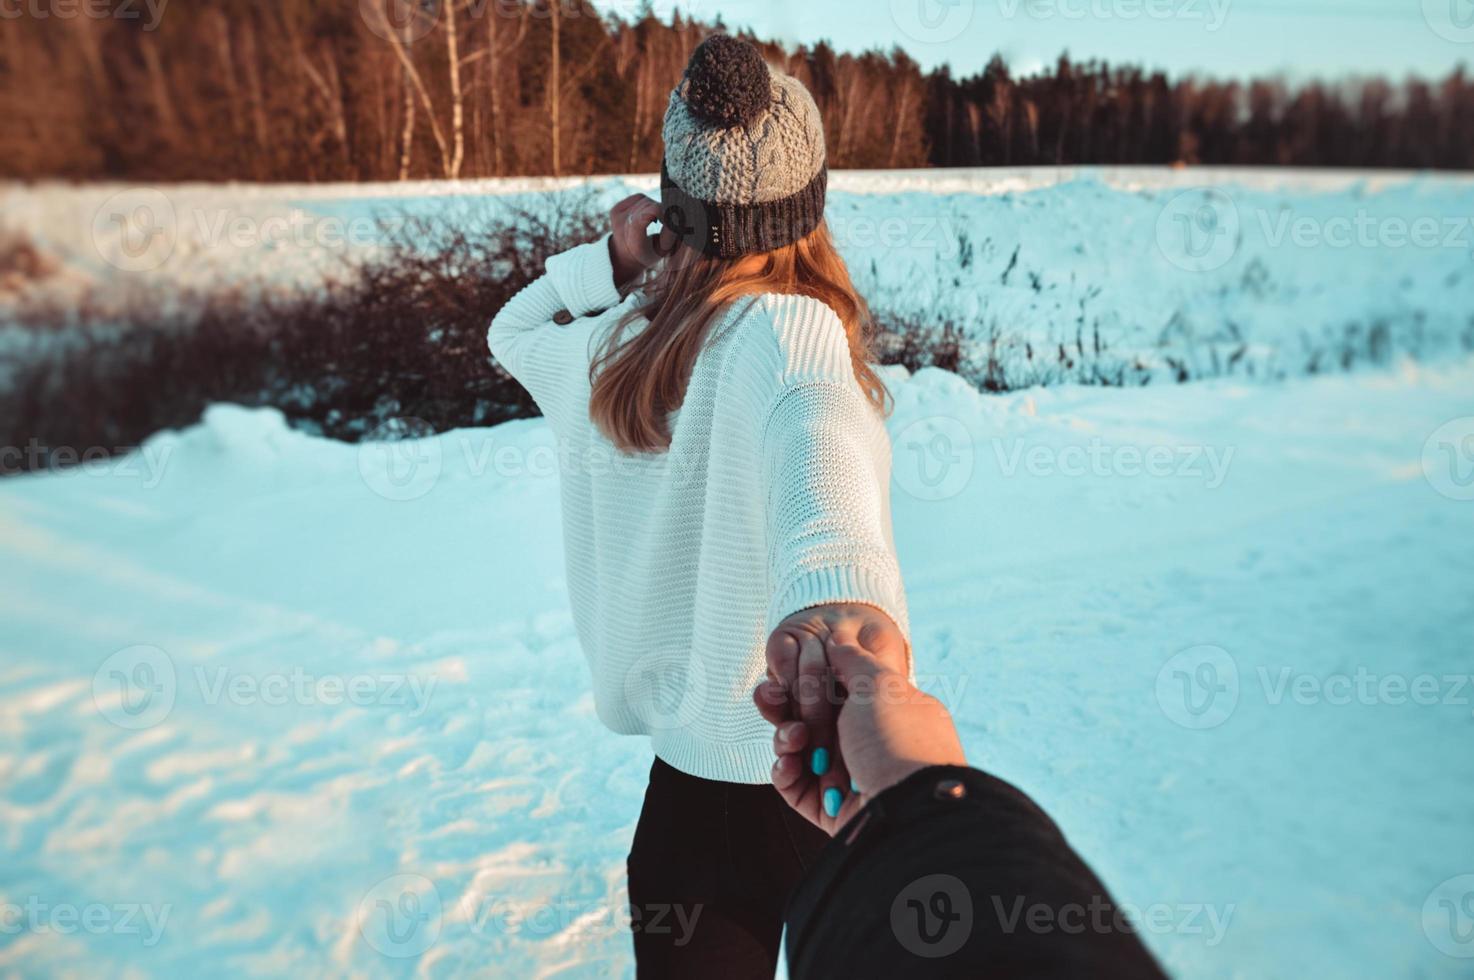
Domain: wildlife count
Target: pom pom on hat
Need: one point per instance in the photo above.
(727, 82)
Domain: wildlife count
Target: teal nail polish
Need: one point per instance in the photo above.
(833, 799)
(820, 762)
(853, 787)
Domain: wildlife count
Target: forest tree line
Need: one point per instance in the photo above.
(315, 90)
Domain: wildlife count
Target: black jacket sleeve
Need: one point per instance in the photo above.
(953, 873)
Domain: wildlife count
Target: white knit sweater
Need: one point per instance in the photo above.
(773, 497)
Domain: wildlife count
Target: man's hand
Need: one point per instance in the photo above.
(804, 691)
(888, 729)
(631, 249)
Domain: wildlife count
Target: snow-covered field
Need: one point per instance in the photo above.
(1281, 271)
(275, 705)
(280, 706)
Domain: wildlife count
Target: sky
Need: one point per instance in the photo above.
(1222, 38)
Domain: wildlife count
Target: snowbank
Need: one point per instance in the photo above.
(272, 704)
(1177, 271)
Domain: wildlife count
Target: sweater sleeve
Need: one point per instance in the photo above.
(827, 472)
(546, 357)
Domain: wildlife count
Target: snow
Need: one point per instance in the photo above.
(1279, 267)
(271, 704)
(276, 705)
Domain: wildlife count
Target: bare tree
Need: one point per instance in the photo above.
(330, 90)
(163, 99)
(407, 133)
(457, 99)
(902, 117)
(495, 51)
(328, 86)
(555, 89)
(401, 43)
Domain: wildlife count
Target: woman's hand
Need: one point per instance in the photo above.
(631, 249)
(887, 730)
(803, 687)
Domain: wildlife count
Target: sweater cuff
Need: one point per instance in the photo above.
(584, 278)
(843, 583)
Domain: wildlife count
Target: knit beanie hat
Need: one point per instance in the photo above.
(745, 166)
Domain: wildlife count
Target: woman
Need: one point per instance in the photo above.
(725, 486)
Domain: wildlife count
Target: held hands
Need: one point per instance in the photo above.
(849, 724)
(632, 251)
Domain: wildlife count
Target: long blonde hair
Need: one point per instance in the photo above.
(637, 381)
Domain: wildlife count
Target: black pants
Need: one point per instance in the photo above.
(710, 872)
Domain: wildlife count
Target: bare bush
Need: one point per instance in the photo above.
(22, 262)
(403, 336)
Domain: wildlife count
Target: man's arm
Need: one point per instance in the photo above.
(937, 870)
